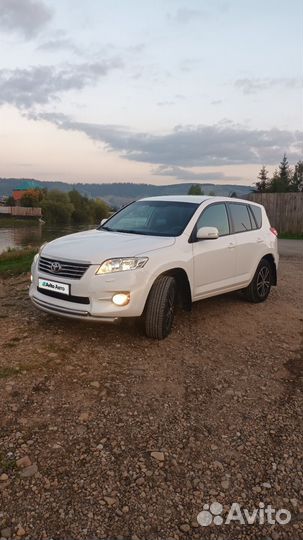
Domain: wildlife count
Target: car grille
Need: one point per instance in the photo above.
(71, 270)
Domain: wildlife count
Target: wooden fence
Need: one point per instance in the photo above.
(20, 211)
(284, 210)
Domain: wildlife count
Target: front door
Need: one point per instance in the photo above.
(214, 260)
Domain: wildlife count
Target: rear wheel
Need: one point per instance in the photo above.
(160, 308)
(259, 288)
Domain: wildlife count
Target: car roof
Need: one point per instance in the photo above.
(178, 198)
(199, 199)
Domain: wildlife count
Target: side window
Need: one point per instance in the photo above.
(215, 216)
(240, 217)
(258, 215)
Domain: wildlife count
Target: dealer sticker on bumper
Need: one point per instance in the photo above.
(54, 286)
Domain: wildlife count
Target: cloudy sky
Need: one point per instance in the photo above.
(157, 91)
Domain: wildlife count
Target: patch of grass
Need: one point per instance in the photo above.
(6, 372)
(291, 236)
(16, 261)
(6, 222)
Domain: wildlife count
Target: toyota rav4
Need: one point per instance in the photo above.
(155, 254)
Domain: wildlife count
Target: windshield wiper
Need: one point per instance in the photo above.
(128, 231)
(133, 231)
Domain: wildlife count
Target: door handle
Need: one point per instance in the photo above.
(231, 245)
(259, 241)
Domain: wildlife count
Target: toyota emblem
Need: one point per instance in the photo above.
(55, 266)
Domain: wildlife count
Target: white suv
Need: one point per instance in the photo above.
(154, 254)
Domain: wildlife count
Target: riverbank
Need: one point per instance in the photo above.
(32, 233)
(14, 262)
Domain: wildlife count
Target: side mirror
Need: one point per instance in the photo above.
(207, 233)
(104, 220)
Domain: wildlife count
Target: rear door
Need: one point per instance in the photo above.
(214, 261)
(248, 238)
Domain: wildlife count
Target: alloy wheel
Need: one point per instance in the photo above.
(263, 281)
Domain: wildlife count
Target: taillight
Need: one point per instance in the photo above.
(274, 231)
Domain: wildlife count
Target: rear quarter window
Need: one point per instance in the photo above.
(257, 213)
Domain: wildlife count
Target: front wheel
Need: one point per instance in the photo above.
(160, 308)
(259, 288)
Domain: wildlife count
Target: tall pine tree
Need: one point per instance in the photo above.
(280, 182)
(262, 184)
(284, 175)
(296, 183)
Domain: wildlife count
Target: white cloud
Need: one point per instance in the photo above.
(54, 45)
(41, 84)
(27, 17)
(252, 86)
(188, 175)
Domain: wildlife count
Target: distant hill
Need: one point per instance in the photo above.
(117, 194)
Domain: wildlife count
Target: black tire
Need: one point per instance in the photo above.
(259, 288)
(160, 308)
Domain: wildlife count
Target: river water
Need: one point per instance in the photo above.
(34, 235)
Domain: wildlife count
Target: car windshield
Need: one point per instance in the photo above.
(153, 218)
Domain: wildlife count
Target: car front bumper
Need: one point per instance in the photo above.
(96, 290)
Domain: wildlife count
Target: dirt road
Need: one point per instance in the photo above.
(124, 437)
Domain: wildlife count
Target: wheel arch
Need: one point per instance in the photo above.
(183, 286)
(270, 258)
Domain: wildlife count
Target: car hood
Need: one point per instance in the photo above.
(95, 246)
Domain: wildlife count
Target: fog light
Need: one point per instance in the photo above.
(121, 299)
(31, 278)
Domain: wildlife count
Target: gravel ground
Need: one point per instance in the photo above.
(290, 248)
(106, 434)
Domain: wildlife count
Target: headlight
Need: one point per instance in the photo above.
(120, 265)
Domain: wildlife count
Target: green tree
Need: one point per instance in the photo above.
(281, 180)
(82, 208)
(263, 182)
(87, 210)
(101, 210)
(195, 189)
(57, 208)
(296, 182)
(285, 174)
(274, 183)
